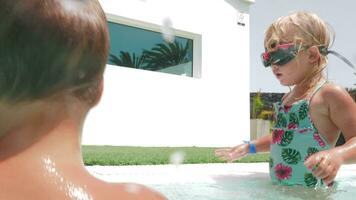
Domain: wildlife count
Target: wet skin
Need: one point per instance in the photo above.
(40, 158)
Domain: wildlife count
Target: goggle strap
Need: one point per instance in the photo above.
(342, 58)
(299, 48)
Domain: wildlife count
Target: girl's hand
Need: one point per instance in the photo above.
(325, 165)
(234, 153)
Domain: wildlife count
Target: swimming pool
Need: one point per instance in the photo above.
(224, 182)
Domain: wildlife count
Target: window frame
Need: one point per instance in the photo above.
(197, 39)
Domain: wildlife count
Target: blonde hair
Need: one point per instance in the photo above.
(306, 29)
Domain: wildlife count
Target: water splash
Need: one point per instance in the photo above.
(177, 158)
(167, 30)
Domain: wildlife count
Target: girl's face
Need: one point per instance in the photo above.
(293, 72)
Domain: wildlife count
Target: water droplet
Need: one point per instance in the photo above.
(177, 158)
(132, 187)
(167, 30)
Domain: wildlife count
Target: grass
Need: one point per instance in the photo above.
(122, 155)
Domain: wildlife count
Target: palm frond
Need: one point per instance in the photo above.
(128, 60)
(164, 55)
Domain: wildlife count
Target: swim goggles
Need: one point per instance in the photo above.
(282, 55)
(287, 52)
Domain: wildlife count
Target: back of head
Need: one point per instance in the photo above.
(302, 28)
(49, 47)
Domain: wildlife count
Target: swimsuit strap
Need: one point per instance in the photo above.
(320, 85)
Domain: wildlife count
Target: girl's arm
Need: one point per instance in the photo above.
(342, 110)
(262, 144)
(343, 114)
(348, 151)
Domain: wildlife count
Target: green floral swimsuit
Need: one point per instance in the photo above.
(294, 139)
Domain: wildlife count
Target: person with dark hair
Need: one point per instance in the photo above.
(52, 58)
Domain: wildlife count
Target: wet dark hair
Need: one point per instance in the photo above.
(50, 46)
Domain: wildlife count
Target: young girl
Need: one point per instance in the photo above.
(52, 57)
(308, 120)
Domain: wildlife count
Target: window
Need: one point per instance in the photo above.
(140, 45)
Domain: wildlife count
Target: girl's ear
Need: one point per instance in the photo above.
(313, 55)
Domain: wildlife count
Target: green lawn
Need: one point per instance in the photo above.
(114, 155)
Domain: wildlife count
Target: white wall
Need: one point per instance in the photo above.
(143, 108)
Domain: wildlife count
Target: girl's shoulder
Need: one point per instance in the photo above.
(331, 89)
(333, 93)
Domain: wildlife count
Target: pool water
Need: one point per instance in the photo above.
(237, 181)
(255, 186)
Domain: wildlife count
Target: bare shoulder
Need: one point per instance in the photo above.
(342, 109)
(335, 94)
